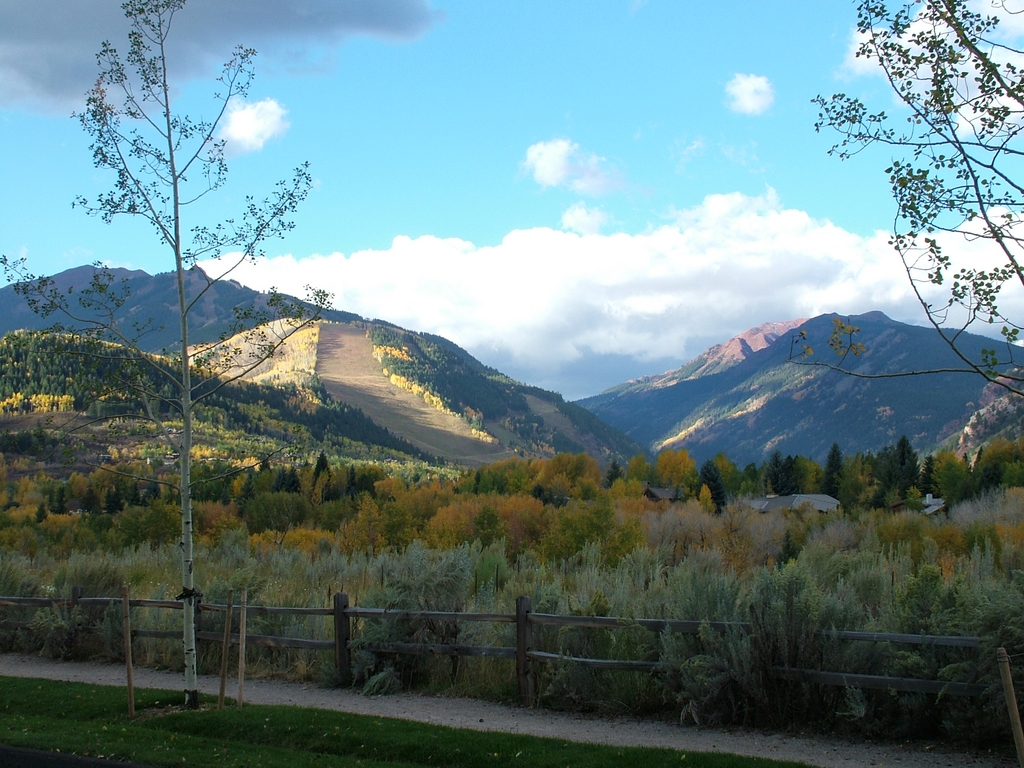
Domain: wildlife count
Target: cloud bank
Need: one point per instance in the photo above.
(542, 300)
(48, 47)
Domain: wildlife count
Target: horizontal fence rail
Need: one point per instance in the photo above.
(441, 649)
(625, 665)
(522, 652)
(884, 637)
(386, 613)
(655, 625)
(267, 641)
(879, 682)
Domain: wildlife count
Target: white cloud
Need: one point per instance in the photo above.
(561, 163)
(542, 298)
(745, 156)
(858, 66)
(749, 94)
(549, 161)
(1011, 21)
(248, 126)
(586, 221)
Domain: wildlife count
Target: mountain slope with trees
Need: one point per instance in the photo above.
(422, 394)
(440, 398)
(39, 380)
(766, 401)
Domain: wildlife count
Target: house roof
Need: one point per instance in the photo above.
(820, 501)
(933, 505)
(662, 494)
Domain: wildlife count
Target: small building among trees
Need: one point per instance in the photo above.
(819, 501)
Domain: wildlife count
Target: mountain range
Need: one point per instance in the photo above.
(150, 297)
(746, 397)
(753, 394)
(421, 388)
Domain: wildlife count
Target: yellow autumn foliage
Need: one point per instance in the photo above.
(294, 362)
(379, 353)
(307, 540)
(19, 403)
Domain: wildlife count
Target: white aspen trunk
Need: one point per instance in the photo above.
(188, 591)
(187, 563)
(152, 183)
(189, 595)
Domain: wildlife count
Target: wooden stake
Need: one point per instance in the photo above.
(524, 673)
(241, 645)
(225, 648)
(128, 650)
(76, 595)
(342, 633)
(1011, 703)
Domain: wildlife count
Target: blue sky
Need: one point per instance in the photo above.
(577, 192)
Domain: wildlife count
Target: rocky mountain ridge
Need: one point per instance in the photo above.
(748, 404)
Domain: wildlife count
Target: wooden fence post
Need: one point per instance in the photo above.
(342, 633)
(241, 644)
(76, 595)
(523, 671)
(1011, 703)
(125, 604)
(225, 648)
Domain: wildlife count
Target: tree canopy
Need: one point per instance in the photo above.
(164, 164)
(955, 170)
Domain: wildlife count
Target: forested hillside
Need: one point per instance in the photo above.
(498, 416)
(530, 419)
(43, 375)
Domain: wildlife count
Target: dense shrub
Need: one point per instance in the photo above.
(792, 577)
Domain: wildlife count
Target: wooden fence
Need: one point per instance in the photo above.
(523, 652)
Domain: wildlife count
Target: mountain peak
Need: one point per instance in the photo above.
(739, 348)
(723, 356)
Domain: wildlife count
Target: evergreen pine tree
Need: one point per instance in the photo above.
(613, 473)
(909, 466)
(59, 505)
(90, 501)
(896, 470)
(790, 550)
(772, 473)
(833, 475)
(925, 483)
(787, 482)
(711, 476)
(321, 467)
(114, 502)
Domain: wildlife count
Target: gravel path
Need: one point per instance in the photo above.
(487, 716)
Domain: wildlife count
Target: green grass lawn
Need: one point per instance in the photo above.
(92, 720)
